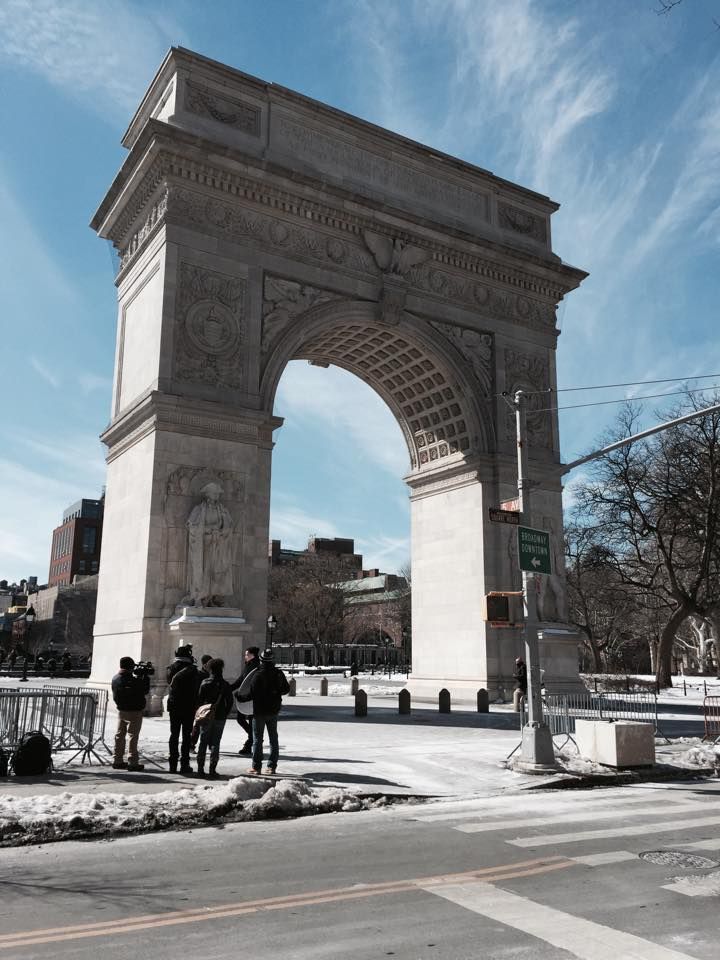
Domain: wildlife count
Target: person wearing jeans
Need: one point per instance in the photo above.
(216, 691)
(265, 687)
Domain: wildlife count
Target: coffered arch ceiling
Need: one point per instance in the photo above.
(443, 412)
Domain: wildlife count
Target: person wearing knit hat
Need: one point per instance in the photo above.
(265, 687)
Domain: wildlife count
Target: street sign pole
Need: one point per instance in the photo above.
(536, 752)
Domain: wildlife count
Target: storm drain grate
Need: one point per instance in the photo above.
(676, 858)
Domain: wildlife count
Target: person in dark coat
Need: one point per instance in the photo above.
(520, 675)
(214, 690)
(252, 662)
(184, 680)
(266, 688)
(129, 692)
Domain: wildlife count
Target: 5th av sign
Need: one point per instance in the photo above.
(534, 550)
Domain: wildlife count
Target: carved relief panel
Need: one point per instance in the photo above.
(185, 489)
(532, 374)
(209, 318)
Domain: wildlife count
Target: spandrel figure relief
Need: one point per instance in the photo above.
(210, 549)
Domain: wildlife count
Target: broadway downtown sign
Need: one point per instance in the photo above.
(534, 550)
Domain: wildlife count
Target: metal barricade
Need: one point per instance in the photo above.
(711, 710)
(561, 710)
(65, 717)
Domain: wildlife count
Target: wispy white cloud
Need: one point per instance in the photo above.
(86, 49)
(82, 457)
(294, 526)
(89, 382)
(47, 375)
(335, 396)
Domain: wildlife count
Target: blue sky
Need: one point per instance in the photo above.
(607, 107)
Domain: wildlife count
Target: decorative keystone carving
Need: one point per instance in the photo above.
(284, 300)
(394, 256)
(208, 103)
(208, 327)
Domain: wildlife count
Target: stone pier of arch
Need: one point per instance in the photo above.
(255, 226)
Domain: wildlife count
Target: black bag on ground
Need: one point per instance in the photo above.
(32, 756)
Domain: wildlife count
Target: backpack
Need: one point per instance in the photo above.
(32, 756)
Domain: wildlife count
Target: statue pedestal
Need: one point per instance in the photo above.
(220, 631)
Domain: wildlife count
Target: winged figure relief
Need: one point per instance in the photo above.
(394, 256)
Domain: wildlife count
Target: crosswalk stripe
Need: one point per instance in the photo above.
(667, 826)
(600, 859)
(605, 802)
(584, 939)
(486, 826)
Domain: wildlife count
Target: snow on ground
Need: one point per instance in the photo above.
(63, 816)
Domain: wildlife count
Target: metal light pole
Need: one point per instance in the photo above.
(271, 625)
(29, 619)
(536, 752)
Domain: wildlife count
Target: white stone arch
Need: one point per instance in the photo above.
(255, 226)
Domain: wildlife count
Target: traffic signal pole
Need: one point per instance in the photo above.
(536, 751)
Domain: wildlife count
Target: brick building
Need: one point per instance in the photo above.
(76, 542)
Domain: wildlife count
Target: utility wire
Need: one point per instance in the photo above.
(603, 403)
(631, 383)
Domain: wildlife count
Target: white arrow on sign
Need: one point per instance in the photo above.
(535, 562)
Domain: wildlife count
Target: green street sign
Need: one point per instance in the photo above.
(534, 550)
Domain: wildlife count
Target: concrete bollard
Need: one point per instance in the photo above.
(293, 687)
(404, 701)
(483, 701)
(518, 697)
(361, 704)
(444, 701)
(323, 687)
(354, 684)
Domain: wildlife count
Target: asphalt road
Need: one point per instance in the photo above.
(617, 873)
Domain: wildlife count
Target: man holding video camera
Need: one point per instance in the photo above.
(130, 686)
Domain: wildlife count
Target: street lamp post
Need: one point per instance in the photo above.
(29, 619)
(271, 625)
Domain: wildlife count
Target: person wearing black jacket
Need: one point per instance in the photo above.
(214, 690)
(129, 692)
(520, 675)
(252, 662)
(184, 680)
(265, 687)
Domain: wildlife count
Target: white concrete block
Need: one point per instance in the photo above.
(616, 743)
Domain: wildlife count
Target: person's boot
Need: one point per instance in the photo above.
(172, 765)
(186, 770)
(214, 757)
(201, 761)
(246, 749)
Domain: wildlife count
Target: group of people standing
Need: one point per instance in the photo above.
(199, 703)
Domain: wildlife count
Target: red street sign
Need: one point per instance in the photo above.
(504, 516)
(512, 505)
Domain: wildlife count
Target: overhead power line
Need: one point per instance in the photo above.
(649, 396)
(630, 383)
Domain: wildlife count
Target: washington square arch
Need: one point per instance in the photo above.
(256, 226)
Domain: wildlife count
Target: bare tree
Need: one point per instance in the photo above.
(655, 506)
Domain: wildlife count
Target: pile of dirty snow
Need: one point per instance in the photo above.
(64, 816)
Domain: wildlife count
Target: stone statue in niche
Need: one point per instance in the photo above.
(210, 550)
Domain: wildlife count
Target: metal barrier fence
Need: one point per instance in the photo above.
(561, 710)
(69, 718)
(711, 709)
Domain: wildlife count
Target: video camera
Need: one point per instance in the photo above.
(143, 668)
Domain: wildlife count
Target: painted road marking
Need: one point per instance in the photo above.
(669, 826)
(707, 885)
(600, 859)
(582, 938)
(508, 871)
(606, 803)
(583, 816)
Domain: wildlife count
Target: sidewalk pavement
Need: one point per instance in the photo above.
(426, 753)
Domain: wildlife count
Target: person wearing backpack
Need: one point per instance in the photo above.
(244, 718)
(129, 692)
(266, 688)
(184, 680)
(216, 692)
